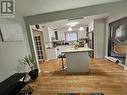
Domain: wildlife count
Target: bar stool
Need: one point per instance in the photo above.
(62, 56)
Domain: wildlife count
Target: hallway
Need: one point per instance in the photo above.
(104, 77)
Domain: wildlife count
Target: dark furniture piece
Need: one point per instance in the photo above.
(12, 85)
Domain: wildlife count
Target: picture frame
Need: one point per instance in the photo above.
(11, 32)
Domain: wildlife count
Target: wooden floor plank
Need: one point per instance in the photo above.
(105, 77)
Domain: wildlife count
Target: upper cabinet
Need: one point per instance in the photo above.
(82, 34)
(91, 26)
(51, 34)
(61, 35)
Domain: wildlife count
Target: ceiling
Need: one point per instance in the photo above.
(83, 22)
(33, 7)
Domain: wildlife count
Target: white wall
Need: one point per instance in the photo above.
(110, 19)
(10, 55)
(11, 52)
(99, 38)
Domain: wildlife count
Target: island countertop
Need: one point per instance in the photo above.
(81, 49)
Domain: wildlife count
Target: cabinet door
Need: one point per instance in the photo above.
(51, 53)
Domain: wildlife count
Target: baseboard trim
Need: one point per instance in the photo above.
(116, 61)
(124, 67)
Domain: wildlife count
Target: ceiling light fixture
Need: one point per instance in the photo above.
(69, 29)
(81, 28)
(72, 24)
(75, 18)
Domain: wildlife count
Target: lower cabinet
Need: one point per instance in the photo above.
(52, 53)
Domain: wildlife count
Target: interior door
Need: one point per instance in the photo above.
(39, 44)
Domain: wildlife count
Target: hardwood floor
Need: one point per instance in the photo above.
(104, 76)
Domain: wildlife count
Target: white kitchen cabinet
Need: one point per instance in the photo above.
(77, 60)
(51, 34)
(51, 53)
(61, 35)
(82, 34)
(61, 48)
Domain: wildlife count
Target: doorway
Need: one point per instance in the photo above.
(38, 42)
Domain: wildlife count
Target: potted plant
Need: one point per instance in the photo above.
(76, 45)
(29, 60)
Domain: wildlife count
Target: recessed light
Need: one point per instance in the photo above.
(69, 29)
(81, 28)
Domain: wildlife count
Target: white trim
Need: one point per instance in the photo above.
(34, 48)
(125, 68)
(111, 59)
(115, 60)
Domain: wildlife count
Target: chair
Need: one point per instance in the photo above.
(62, 56)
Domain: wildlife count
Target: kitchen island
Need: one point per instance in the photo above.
(77, 59)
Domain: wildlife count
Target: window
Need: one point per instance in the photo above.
(121, 31)
(71, 36)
